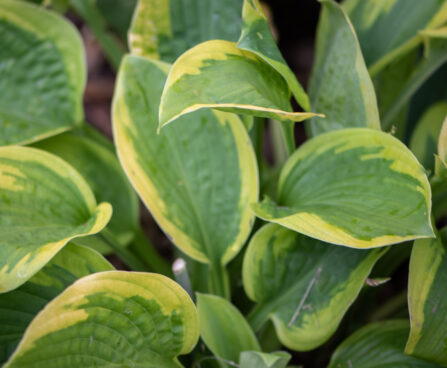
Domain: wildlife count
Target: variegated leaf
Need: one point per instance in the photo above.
(254, 359)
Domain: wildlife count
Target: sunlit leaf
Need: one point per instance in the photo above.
(21, 305)
(356, 187)
(42, 73)
(224, 329)
(113, 318)
(44, 203)
(303, 285)
(340, 85)
(254, 359)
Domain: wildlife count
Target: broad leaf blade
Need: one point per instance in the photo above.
(257, 38)
(377, 345)
(304, 285)
(427, 300)
(21, 305)
(442, 141)
(97, 163)
(356, 187)
(163, 30)
(217, 74)
(112, 318)
(224, 329)
(340, 85)
(44, 204)
(197, 177)
(254, 359)
(42, 68)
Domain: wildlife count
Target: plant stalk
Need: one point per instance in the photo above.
(219, 281)
(258, 316)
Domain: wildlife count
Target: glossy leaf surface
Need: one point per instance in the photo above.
(113, 318)
(377, 345)
(217, 74)
(356, 187)
(44, 203)
(427, 300)
(21, 305)
(42, 73)
(223, 328)
(163, 30)
(257, 38)
(95, 160)
(303, 285)
(340, 85)
(254, 359)
(197, 177)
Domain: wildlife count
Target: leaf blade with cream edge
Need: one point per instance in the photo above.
(379, 344)
(96, 161)
(161, 31)
(224, 329)
(382, 36)
(357, 187)
(257, 38)
(217, 74)
(303, 285)
(21, 305)
(116, 318)
(197, 177)
(340, 85)
(38, 103)
(427, 300)
(44, 204)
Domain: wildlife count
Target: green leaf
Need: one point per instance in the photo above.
(340, 85)
(303, 285)
(257, 38)
(254, 359)
(224, 329)
(379, 344)
(217, 74)
(163, 30)
(197, 177)
(42, 68)
(21, 305)
(118, 16)
(427, 300)
(97, 163)
(356, 187)
(383, 35)
(442, 141)
(114, 318)
(424, 140)
(44, 203)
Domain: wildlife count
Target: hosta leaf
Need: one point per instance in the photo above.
(217, 74)
(427, 300)
(97, 163)
(118, 16)
(424, 141)
(303, 285)
(42, 68)
(197, 177)
(340, 85)
(163, 30)
(254, 359)
(224, 329)
(442, 141)
(383, 37)
(356, 187)
(44, 203)
(113, 318)
(257, 38)
(377, 345)
(21, 305)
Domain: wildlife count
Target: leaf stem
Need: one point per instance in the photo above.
(219, 281)
(258, 316)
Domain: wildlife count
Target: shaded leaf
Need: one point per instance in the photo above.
(21, 305)
(113, 318)
(224, 329)
(42, 68)
(303, 285)
(356, 187)
(217, 74)
(340, 85)
(254, 359)
(44, 203)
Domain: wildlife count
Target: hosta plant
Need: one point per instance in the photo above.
(272, 260)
